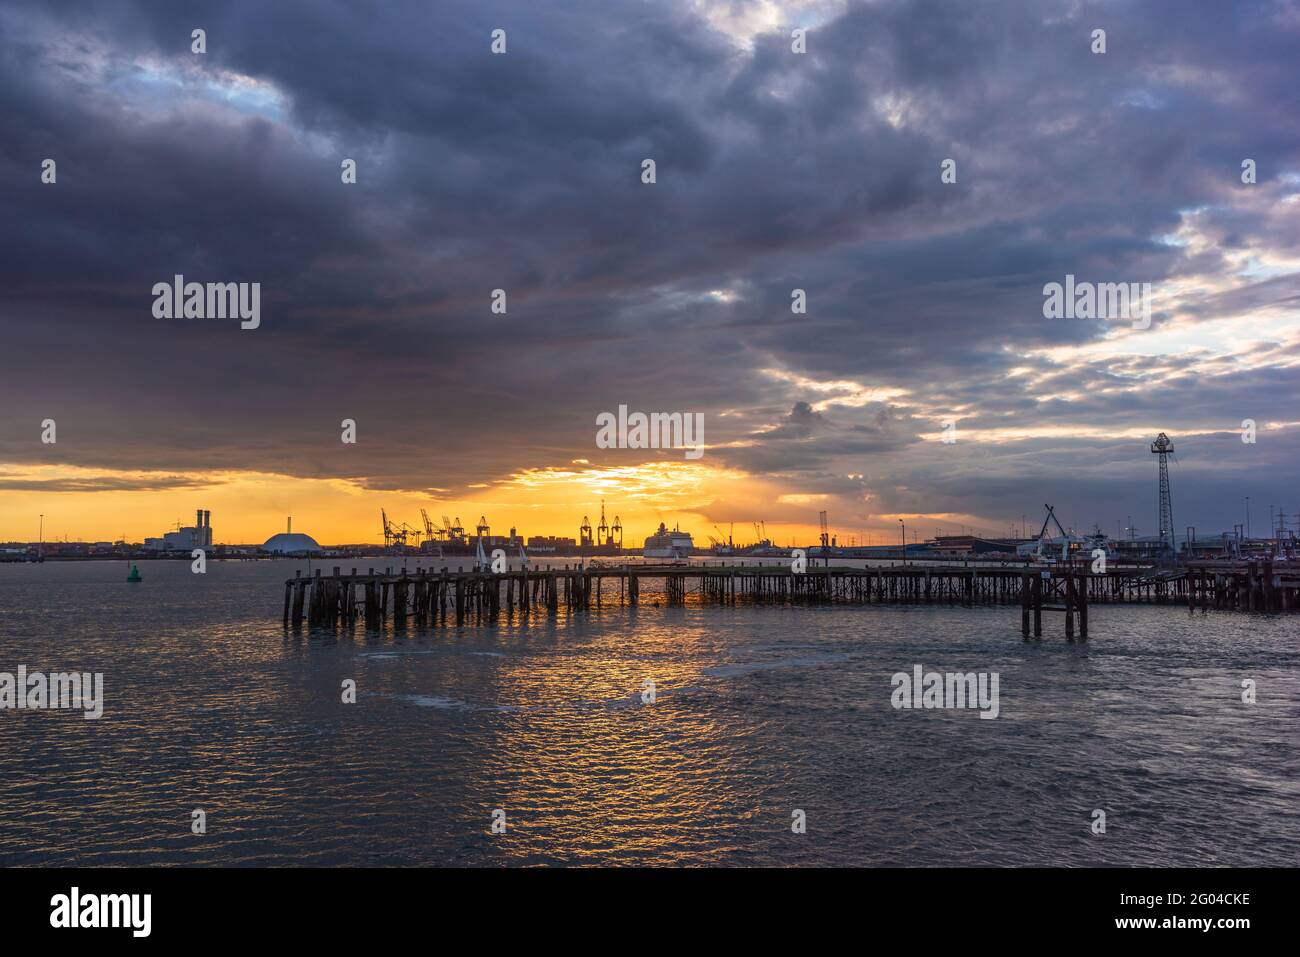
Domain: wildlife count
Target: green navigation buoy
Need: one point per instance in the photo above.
(135, 574)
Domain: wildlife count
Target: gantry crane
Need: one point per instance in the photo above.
(393, 536)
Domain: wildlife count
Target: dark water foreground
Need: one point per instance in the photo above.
(759, 711)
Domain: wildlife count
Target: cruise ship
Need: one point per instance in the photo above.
(666, 544)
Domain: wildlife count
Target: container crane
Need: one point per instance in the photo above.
(602, 530)
(393, 536)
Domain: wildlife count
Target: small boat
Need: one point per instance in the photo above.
(135, 575)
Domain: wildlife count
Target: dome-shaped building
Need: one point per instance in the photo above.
(291, 543)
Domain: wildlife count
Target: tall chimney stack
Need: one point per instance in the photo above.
(289, 530)
(198, 518)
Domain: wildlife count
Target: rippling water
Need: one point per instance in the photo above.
(759, 711)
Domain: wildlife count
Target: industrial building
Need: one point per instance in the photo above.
(185, 539)
(290, 543)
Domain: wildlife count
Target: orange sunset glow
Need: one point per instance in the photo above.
(251, 506)
(248, 507)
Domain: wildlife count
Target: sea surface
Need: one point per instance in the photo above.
(759, 712)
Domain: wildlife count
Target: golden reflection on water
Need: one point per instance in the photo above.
(594, 767)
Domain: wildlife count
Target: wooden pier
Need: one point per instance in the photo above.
(427, 598)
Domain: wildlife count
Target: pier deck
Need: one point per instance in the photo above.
(438, 598)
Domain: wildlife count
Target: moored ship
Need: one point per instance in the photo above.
(668, 544)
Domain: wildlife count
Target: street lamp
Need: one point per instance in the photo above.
(903, 532)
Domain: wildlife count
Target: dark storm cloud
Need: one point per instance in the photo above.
(804, 444)
(103, 483)
(522, 172)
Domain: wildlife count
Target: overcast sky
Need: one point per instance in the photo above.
(775, 171)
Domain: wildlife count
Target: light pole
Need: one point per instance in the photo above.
(40, 542)
(903, 532)
(1247, 516)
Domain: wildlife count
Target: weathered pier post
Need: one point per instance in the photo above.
(299, 594)
(1069, 606)
(1083, 610)
(1038, 607)
(1024, 604)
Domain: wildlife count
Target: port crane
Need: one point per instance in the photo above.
(450, 533)
(398, 536)
(432, 532)
(1044, 543)
(394, 537)
(602, 530)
